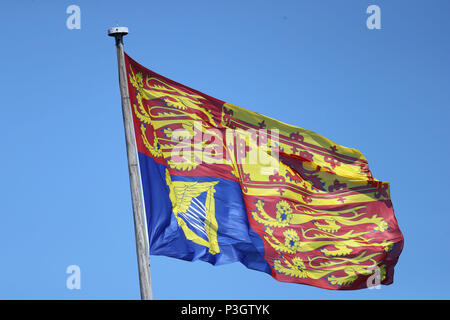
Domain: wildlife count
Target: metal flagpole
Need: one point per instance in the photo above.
(133, 169)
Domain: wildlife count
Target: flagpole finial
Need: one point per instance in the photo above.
(117, 31)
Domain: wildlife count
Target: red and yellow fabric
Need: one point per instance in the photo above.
(321, 217)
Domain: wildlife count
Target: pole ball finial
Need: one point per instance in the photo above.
(117, 31)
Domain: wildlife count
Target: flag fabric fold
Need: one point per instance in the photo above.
(224, 184)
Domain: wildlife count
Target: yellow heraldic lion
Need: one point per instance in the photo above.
(172, 96)
(285, 217)
(178, 105)
(340, 251)
(351, 268)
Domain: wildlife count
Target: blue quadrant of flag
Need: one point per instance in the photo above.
(236, 240)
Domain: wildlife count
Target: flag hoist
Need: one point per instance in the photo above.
(135, 182)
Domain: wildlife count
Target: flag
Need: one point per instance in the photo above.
(224, 184)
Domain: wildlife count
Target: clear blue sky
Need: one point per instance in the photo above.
(64, 186)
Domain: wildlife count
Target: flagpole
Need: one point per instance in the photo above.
(133, 170)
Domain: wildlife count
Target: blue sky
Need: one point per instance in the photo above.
(64, 186)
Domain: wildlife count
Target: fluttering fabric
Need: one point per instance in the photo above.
(224, 184)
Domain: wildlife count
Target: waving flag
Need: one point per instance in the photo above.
(223, 184)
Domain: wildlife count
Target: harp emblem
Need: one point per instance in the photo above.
(193, 205)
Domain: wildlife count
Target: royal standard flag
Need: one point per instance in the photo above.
(223, 184)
